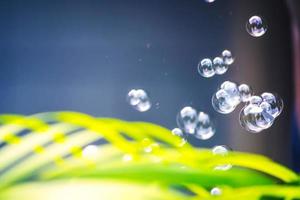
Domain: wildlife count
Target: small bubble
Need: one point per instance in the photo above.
(187, 119)
(205, 128)
(221, 150)
(139, 99)
(256, 26)
(178, 132)
(227, 57)
(216, 191)
(245, 92)
(226, 98)
(205, 68)
(219, 66)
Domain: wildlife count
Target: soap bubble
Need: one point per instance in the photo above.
(205, 68)
(227, 57)
(245, 92)
(275, 102)
(219, 66)
(205, 128)
(260, 112)
(187, 119)
(256, 26)
(226, 98)
(216, 191)
(139, 99)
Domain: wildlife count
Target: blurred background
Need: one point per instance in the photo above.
(85, 55)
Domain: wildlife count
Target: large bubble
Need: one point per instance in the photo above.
(139, 100)
(226, 98)
(256, 26)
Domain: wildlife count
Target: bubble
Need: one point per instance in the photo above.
(205, 68)
(275, 102)
(221, 150)
(127, 158)
(187, 119)
(205, 128)
(227, 57)
(139, 99)
(226, 98)
(219, 66)
(216, 191)
(256, 26)
(245, 92)
(179, 132)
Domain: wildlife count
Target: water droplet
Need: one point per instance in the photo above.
(219, 66)
(90, 151)
(187, 119)
(205, 128)
(256, 26)
(275, 102)
(227, 57)
(139, 99)
(245, 92)
(216, 191)
(205, 68)
(226, 98)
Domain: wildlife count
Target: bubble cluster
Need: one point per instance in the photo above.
(219, 65)
(198, 124)
(260, 112)
(226, 98)
(256, 26)
(139, 99)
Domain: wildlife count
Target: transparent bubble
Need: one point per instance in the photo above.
(205, 128)
(226, 98)
(180, 133)
(205, 68)
(139, 99)
(227, 57)
(256, 26)
(245, 92)
(221, 150)
(275, 102)
(219, 66)
(187, 119)
(216, 191)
